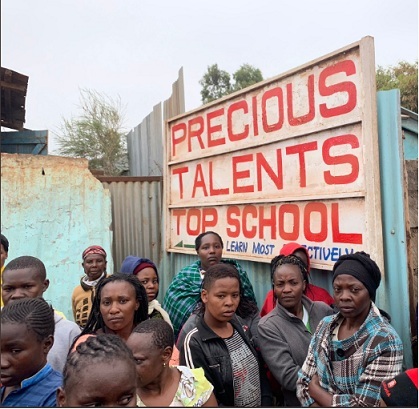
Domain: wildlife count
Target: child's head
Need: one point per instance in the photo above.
(4, 249)
(221, 291)
(101, 372)
(120, 302)
(27, 335)
(152, 346)
(24, 277)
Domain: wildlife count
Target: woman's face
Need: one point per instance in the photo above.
(148, 278)
(289, 286)
(149, 359)
(210, 251)
(221, 299)
(118, 305)
(351, 297)
(94, 265)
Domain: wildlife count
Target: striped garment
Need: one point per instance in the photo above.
(246, 378)
(352, 370)
(40, 390)
(184, 292)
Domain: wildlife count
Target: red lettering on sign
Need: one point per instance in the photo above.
(214, 128)
(249, 210)
(348, 67)
(293, 121)
(240, 105)
(301, 150)
(212, 189)
(267, 222)
(233, 220)
(176, 130)
(195, 131)
(243, 174)
(255, 116)
(199, 181)
(209, 218)
(308, 211)
(193, 214)
(352, 160)
(262, 163)
(278, 94)
(177, 214)
(293, 210)
(180, 171)
(338, 237)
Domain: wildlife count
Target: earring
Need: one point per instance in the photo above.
(164, 364)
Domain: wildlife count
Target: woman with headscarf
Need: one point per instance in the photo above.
(313, 292)
(355, 350)
(94, 265)
(146, 271)
(285, 333)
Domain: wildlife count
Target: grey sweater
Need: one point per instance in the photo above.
(65, 332)
(284, 341)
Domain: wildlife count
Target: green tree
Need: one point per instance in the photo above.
(96, 134)
(404, 76)
(245, 76)
(216, 83)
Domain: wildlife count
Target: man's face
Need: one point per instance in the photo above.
(22, 283)
(3, 256)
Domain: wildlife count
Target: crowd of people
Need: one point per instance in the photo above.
(207, 344)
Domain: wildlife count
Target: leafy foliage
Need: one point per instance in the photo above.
(216, 83)
(96, 134)
(245, 76)
(404, 76)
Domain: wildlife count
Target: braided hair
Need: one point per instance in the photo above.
(284, 260)
(163, 335)
(95, 320)
(99, 348)
(22, 262)
(35, 313)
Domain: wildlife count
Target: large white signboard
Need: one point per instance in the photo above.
(294, 158)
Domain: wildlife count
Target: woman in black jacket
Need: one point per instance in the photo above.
(219, 343)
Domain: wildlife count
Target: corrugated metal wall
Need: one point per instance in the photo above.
(393, 294)
(136, 217)
(145, 141)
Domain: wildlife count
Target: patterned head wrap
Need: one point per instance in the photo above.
(362, 267)
(93, 250)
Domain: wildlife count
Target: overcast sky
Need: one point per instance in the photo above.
(134, 48)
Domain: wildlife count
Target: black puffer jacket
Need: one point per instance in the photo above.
(204, 348)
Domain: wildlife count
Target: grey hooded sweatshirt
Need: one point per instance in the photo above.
(65, 332)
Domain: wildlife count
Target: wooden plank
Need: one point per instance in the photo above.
(13, 86)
